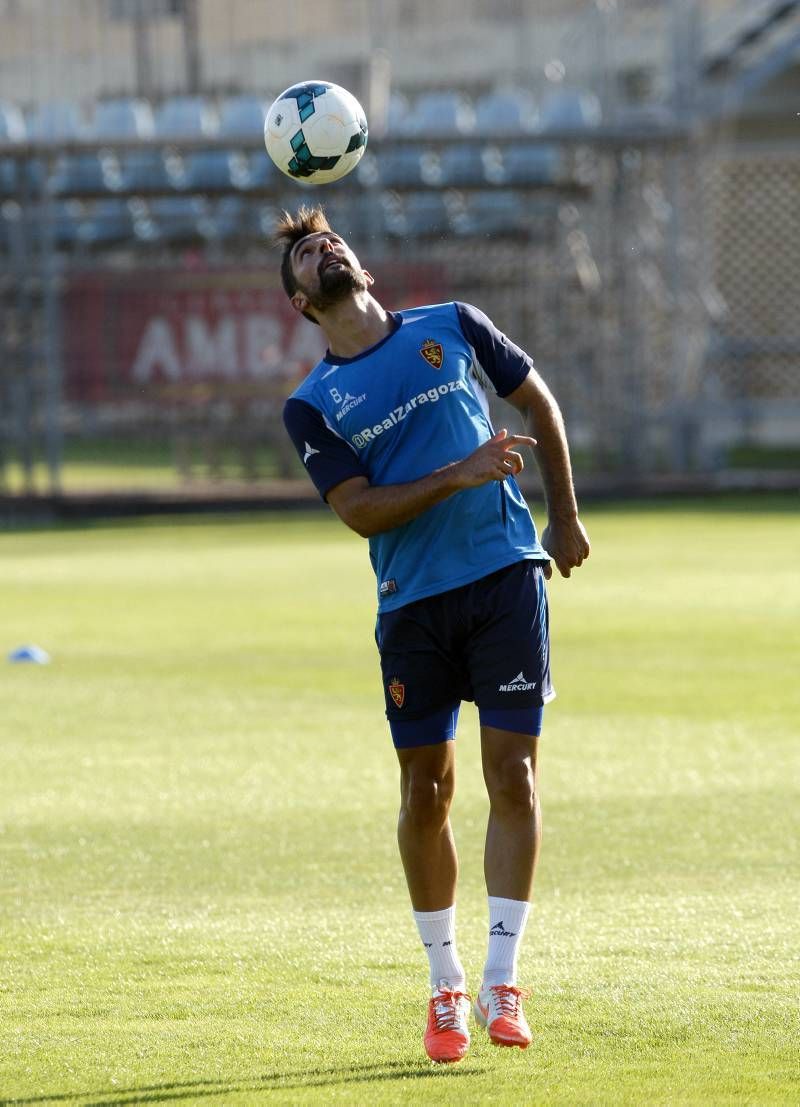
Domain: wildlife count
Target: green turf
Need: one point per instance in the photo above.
(201, 898)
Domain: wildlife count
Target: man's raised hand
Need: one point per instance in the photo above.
(496, 459)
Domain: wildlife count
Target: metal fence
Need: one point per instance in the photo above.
(653, 280)
(644, 256)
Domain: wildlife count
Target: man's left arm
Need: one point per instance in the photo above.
(564, 537)
(514, 378)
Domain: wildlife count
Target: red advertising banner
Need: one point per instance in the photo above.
(128, 334)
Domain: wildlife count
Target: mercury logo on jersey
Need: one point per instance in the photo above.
(518, 684)
(348, 403)
(398, 414)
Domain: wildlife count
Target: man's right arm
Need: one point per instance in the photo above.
(372, 509)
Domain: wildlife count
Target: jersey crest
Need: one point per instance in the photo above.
(397, 691)
(433, 353)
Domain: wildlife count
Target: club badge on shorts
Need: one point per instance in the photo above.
(397, 691)
(433, 353)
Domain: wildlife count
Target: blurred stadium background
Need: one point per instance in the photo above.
(616, 182)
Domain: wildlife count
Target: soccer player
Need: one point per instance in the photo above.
(393, 428)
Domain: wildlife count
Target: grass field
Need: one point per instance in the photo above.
(200, 894)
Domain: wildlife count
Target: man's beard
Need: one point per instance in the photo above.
(336, 283)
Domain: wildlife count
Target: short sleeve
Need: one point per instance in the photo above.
(328, 458)
(504, 363)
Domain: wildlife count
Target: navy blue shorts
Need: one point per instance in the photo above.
(487, 641)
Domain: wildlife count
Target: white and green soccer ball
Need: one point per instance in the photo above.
(315, 132)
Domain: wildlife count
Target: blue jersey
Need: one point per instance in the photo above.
(411, 404)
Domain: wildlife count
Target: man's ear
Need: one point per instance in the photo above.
(369, 276)
(299, 302)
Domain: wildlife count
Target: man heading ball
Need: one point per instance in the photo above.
(394, 430)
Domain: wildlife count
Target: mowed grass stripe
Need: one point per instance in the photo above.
(202, 899)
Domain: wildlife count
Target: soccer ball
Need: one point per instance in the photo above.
(315, 132)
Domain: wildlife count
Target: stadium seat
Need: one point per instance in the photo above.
(144, 171)
(228, 218)
(8, 176)
(106, 221)
(256, 171)
(360, 218)
(184, 117)
(423, 214)
(10, 219)
(439, 113)
(263, 220)
(530, 164)
(396, 113)
(12, 122)
(179, 218)
(57, 119)
(242, 116)
(12, 129)
(399, 166)
(506, 112)
(567, 109)
(495, 212)
(67, 217)
(79, 173)
(206, 169)
(462, 165)
(61, 120)
(124, 118)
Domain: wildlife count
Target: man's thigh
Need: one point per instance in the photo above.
(423, 672)
(508, 650)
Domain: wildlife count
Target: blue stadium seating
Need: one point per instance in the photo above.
(400, 166)
(530, 164)
(106, 221)
(228, 218)
(462, 165)
(67, 216)
(78, 173)
(185, 117)
(495, 212)
(57, 119)
(569, 109)
(263, 219)
(396, 113)
(358, 219)
(258, 171)
(12, 122)
(178, 218)
(439, 113)
(506, 112)
(422, 214)
(206, 169)
(123, 118)
(8, 176)
(144, 171)
(61, 120)
(242, 116)
(12, 129)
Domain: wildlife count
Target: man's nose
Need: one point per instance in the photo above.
(325, 245)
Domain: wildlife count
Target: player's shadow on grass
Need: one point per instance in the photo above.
(283, 1081)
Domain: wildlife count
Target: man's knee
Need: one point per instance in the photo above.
(426, 795)
(511, 784)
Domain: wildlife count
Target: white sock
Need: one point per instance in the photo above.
(507, 919)
(437, 929)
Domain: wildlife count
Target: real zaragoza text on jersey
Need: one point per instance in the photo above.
(408, 405)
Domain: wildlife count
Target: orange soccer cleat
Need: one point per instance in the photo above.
(498, 1009)
(447, 1035)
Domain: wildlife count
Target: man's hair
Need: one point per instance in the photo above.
(289, 231)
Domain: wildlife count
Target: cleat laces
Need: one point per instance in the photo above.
(445, 1010)
(507, 998)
